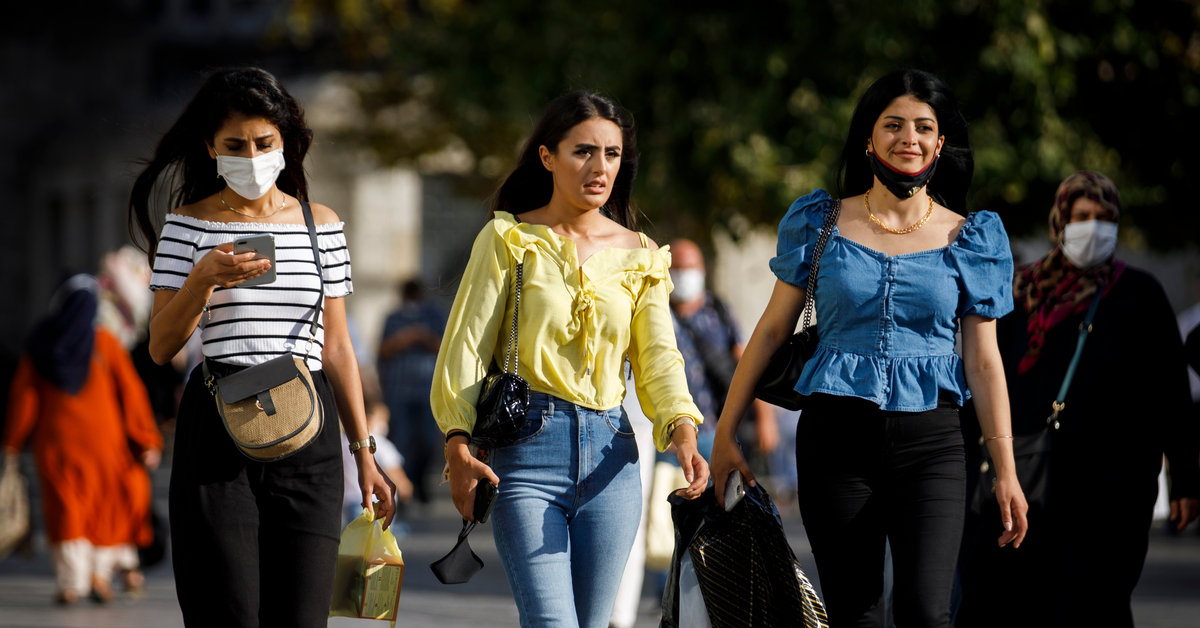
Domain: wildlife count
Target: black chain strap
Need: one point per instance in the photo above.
(831, 217)
(512, 338)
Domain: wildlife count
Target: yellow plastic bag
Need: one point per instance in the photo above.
(369, 572)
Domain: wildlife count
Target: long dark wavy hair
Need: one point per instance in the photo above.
(191, 174)
(530, 185)
(956, 164)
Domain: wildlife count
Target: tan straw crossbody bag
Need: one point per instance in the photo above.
(272, 410)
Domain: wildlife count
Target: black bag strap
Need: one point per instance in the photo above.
(831, 216)
(513, 348)
(316, 250)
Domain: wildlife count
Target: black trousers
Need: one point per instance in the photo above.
(254, 544)
(1078, 566)
(867, 475)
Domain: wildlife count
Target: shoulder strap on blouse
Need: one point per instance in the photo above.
(642, 237)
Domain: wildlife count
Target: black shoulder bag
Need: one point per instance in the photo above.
(1031, 453)
(499, 417)
(778, 383)
(504, 400)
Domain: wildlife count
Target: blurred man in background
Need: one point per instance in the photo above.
(711, 346)
(411, 338)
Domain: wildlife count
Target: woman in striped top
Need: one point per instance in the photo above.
(254, 543)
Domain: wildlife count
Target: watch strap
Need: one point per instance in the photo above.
(369, 442)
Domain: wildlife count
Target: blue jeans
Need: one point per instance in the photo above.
(569, 506)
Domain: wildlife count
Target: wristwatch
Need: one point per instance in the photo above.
(357, 445)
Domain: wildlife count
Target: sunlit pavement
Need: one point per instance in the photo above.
(1168, 595)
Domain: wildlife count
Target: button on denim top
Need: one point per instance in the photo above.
(887, 322)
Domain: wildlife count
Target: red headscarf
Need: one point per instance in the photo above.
(1052, 289)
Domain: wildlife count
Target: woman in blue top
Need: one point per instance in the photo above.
(879, 449)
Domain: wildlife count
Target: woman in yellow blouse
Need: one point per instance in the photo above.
(594, 293)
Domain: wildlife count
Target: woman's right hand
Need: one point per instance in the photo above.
(726, 458)
(220, 267)
(465, 473)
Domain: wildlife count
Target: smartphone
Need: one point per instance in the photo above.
(485, 500)
(735, 490)
(264, 245)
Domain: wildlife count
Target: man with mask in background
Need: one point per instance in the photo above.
(711, 346)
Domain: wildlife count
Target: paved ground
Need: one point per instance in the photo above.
(1168, 595)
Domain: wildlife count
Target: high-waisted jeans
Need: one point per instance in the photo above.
(866, 475)
(569, 504)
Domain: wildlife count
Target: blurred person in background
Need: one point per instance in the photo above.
(713, 348)
(253, 543)
(1128, 404)
(594, 292)
(389, 459)
(879, 450)
(411, 338)
(78, 396)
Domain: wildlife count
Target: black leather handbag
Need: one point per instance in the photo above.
(1031, 452)
(500, 412)
(777, 385)
(499, 417)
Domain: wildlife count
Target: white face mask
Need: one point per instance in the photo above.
(689, 285)
(1089, 243)
(251, 178)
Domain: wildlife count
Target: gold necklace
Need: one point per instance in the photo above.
(921, 223)
(281, 204)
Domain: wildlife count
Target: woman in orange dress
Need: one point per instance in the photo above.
(77, 396)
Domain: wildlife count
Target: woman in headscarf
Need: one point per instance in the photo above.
(77, 395)
(1127, 405)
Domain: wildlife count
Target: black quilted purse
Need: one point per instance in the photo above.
(778, 383)
(500, 413)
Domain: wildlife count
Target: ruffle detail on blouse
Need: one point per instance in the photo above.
(983, 257)
(654, 265)
(798, 233)
(913, 385)
(633, 266)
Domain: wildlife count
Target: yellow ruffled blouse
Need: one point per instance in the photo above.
(576, 325)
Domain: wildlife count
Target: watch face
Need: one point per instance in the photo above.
(372, 439)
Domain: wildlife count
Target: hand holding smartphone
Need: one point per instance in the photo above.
(263, 245)
(485, 499)
(735, 490)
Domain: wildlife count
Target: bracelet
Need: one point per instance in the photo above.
(203, 304)
(997, 437)
(453, 433)
(681, 419)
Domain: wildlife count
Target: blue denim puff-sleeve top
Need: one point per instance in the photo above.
(887, 322)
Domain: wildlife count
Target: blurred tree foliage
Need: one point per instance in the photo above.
(743, 107)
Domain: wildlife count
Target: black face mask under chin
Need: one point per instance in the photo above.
(902, 184)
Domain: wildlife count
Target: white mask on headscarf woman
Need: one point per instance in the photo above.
(1089, 243)
(689, 285)
(251, 178)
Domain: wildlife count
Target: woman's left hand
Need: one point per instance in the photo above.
(1184, 511)
(374, 481)
(695, 468)
(1012, 510)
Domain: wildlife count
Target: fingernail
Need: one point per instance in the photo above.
(1008, 526)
